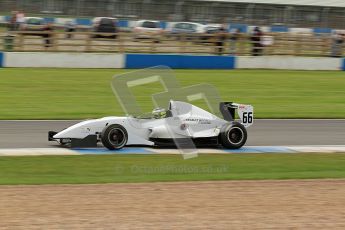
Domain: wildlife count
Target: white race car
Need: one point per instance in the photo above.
(181, 123)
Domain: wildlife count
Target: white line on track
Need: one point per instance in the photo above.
(261, 119)
(247, 149)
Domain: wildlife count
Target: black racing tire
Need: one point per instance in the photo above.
(233, 135)
(114, 137)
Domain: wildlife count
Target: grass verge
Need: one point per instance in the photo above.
(84, 93)
(153, 168)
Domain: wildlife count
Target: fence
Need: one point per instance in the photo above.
(275, 43)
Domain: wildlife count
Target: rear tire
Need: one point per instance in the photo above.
(114, 137)
(233, 136)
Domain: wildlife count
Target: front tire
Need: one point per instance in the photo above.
(114, 137)
(233, 136)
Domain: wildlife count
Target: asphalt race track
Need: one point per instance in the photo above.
(33, 134)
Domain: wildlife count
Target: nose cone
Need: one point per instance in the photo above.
(89, 127)
(80, 130)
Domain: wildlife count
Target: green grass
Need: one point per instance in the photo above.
(151, 168)
(84, 93)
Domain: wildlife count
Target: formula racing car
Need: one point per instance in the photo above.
(180, 123)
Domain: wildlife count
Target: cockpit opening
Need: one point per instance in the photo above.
(159, 113)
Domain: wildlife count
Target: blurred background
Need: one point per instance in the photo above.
(295, 13)
(297, 27)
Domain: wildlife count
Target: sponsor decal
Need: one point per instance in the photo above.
(198, 120)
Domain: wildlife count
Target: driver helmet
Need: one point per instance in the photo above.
(159, 113)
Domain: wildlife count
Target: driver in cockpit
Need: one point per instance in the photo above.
(159, 113)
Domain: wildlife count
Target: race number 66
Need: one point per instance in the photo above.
(247, 117)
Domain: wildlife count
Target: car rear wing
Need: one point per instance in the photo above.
(245, 112)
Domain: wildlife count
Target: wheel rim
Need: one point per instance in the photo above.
(117, 137)
(235, 135)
